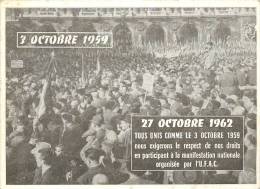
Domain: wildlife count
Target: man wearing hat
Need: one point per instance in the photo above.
(249, 101)
(100, 179)
(124, 136)
(228, 82)
(13, 113)
(252, 76)
(18, 134)
(241, 75)
(44, 173)
(250, 155)
(209, 56)
(95, 161)
(91, 133)
(185, 108)
(97, 101)
(20, 164)
(196, 106)
(87, 115)
(234, 106)
(69, 135)
(93, 158)
(109, 114)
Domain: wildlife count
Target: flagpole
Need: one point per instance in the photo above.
(82, 69)
(42, 107)
(145, 95)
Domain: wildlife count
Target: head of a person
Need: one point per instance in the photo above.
(231, 103)
(227, 69)
(80, 95)
(42, 123)
(45, 157)
(82, 107)
(100, 178)
(172, 98)
(88, 98)
(13, 105)
(20, 123)
(67, 118)
(124, 124)
(96, 122)
(123, 89)
(209, 45)
(94, 157)
(101, 92)
(134, 85)
(216, 104)
(115, 92)
(74, 104)
(58, 150)
(250, 140)
(94, 95)
(196, 106)
(67, 93)
(74, 93)
(109, 105)
(108, 95)
(251, 116)
(20, 128)
(185, 100)
(42, 153)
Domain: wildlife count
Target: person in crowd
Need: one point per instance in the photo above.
(228, 82)
(248, 175)
(250, 143)
(44, 173)
(241, 75)
(234, 105)
(70, 135)
(20, 164)
(93, 158)
(109, 114)
(209, 55)
(136, 177)
(251, 123)
(61, 164)
(251, 73)
(124, 136)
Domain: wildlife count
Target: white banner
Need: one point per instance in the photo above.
(148, 81)
(16, 63)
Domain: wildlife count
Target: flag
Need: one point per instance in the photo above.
(42, 107)
(83, 77)
(98, 65)
(45, 98)
(210, 59)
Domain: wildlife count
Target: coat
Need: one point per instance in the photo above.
(47, 178)
(228, 83)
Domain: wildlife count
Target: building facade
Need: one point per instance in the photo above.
(142, 25)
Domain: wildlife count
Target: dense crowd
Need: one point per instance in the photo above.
(83, 136)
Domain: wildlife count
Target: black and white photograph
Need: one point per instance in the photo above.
(130, 96)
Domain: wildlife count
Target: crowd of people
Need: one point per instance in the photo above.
(83, 135)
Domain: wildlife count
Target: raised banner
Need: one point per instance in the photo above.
(148, 81)
(16, 63)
